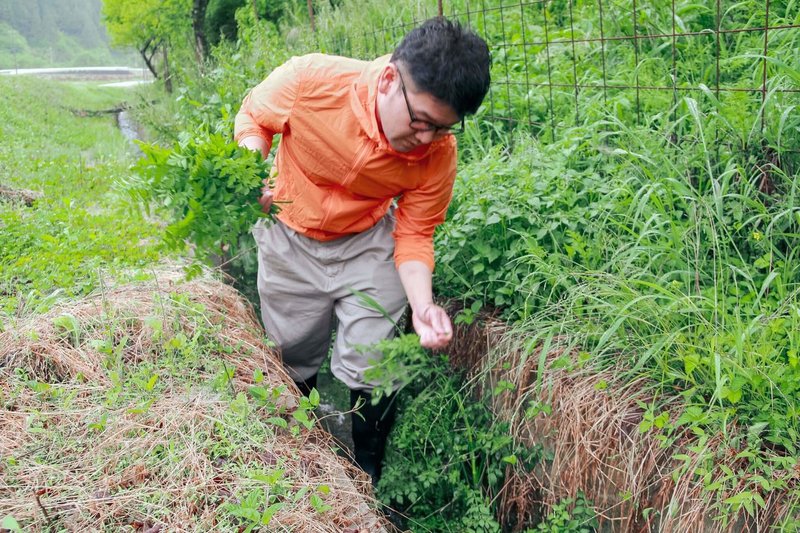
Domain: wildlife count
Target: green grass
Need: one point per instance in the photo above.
(669, 259)
(82, 228)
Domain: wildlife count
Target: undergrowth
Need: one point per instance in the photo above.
(449, 454)
(692, 282)
(164, 431)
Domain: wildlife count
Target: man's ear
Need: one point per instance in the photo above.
(387, 78)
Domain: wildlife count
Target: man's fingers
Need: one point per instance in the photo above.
(426, 340)
(431, 342)
(433, 327)
(431, 339)
(266, 201)
(440, 322)
(434, 343)
(442, 325)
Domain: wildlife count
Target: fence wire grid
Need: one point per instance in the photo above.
(559, 63)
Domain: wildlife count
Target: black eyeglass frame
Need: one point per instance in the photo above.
(423, 125)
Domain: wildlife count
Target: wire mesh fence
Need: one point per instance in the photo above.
(560, 63)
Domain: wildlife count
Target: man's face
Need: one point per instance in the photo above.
(410, 118)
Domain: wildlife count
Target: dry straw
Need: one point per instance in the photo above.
(73, 459)
(592, 438)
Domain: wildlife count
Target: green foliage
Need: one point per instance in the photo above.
(448, 456)
(570, 515)
(521, 221)
(10, 523)
(80, 230)
(404, 362)
(160, 30)
(208, 186)
(213, 99)
(137, 23)
(693, 282)
(208, 104)
(537, 67)
(220, 20)
(249, 509)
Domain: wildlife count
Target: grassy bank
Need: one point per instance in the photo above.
(60, 144)
(675, 297)
(130, 399)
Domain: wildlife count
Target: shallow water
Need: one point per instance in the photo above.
(129, 129)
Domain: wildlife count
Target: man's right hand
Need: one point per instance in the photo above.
(266, 197)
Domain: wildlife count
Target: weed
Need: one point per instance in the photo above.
(445, 464)
(571, 515)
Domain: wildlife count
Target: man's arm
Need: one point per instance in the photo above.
(255, 143)
(264, 113)
(418, 213)
(430, 321)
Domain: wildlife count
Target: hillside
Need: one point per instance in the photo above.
(55, 33)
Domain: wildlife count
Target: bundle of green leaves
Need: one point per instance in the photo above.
(207, 187)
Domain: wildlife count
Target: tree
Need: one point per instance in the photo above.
(198, 24)
(151, 26)
(221, 19)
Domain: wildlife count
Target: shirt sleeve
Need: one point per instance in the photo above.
(266, 108)
(420, 210)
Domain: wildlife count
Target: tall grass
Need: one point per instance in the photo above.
(673, 260)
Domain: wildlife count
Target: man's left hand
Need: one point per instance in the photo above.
(433, 326)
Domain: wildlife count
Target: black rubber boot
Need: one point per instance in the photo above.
(371, 431)
(306, 386)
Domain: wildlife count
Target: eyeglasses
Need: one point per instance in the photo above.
(424, 125)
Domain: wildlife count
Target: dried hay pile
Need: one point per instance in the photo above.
(159, 407)
(587, 419)
(19, 195)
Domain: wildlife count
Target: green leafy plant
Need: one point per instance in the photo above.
(256, 509)
(570, 515)
(10, 523)
(448, 458)
(207, 186)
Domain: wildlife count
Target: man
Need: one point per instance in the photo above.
(355, 136)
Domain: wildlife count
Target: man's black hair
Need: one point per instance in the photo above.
(448, 61)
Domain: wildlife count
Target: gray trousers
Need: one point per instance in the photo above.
(306, 288)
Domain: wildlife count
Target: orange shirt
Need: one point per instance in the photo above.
(335, 172)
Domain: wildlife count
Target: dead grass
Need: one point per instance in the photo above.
(20, 195)
(592, 436)
(86, 446)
